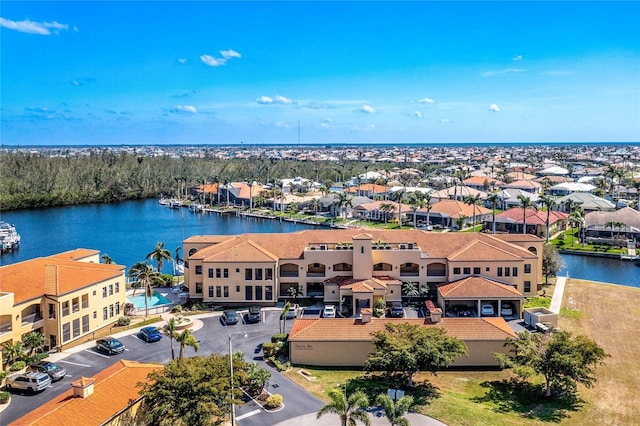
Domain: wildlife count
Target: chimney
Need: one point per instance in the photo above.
(435, 315)
(84, 387)
(366, 315)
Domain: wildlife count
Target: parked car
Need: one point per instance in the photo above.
(329, 311)
(292, 313)
(150, 334)
(110, 345)
(253, 316)
(230, 317)
(180, 289)
(52, 369)
(462, 310)
(31, 382)
(396, 311)
(487, 310)
(506, 309)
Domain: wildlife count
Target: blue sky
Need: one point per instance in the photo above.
(157, 72)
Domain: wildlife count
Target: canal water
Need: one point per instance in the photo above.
(129, 230)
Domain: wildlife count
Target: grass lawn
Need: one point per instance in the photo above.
(609, 314)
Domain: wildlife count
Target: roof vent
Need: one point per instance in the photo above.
(366, 315)
(84, 387)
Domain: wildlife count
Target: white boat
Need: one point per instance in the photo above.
(174, 204)
(196, 208)
(9, 237)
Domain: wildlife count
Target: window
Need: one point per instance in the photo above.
(52, 311)
(65, 309)
(258, 274)
(110, 311)
(218, 291)
(499, 271)
(225, 290)
(117, 308)
(467, 270)
(507, 271)
(198, 269)
(110, 289)
(85, 324)
(104, 292)
(248, 274)
(268, 274)
(85, 301)
(94, 292)
(237, 289)
(527, 286)
(76, 327)
(258, 292)
(218, 272)
(248, 292)
(198, 288)
(527, 268)
(66, 332)
(268, 292)
(105, 313)
(211, 273)
(514, 271)
(487, 269)
(456, 271)
(211, 291)
(95, 314)
(237, 270)
(476, 271)
(117, 287)
(362, 250)
(225, 273)
(75, 304)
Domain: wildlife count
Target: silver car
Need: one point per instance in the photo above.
(54, 371)
(31, 382)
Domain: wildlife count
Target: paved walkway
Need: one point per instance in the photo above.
(377, 419)
(558, 292)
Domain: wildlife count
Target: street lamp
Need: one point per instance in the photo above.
(233, 406)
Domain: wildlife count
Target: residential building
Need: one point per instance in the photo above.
(567, 188)
(586, 201)
(513, 220)
(457, 192)
(65, 297)
(353, 267)
(508, 198)
(446, 213)
(612, 227)
(528, 185)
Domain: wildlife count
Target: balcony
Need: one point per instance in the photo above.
(289, 274)
(31, 319)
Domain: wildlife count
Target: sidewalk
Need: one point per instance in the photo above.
(558, 293)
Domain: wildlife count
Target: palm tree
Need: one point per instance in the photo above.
(350, 409)
(170, 331)
(575, 220)
(620, 225)
(283, 317)
(385, 208)
(145, 277)
(159, 254)
(473, 200)
(493, 198)
(395, 410)
(549, 202)
(33, 340)
(410, 289)
(428, 206)
(460, 221)
(106, 259)
(186, 339)
(12, 351)
(525, 203)
(611, 224)
(417, 202)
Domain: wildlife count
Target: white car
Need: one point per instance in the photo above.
(329, 311)
(487, 310)
(506, 310)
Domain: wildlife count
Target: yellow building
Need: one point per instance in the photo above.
(65, 297)
(352, 266)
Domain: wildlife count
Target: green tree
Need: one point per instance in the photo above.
(551, 261)
(170, 331)
(549, 202)
(283, 316)
(185, 338)
(12, 352)
(350, 410)
(257, 378)
(473, 200)
(416, 201)
(192, 392)
(395, 410)
(159, 254)
(460, 221)
(106, 259)
(525, 203)
(146, 278)
(34, 341)
(493, 198)
(564, 360)
(410, 288)
(424, 291)
(408, 348)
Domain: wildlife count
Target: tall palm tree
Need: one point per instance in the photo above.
(147, 278)
(395, 410)
(385, 208)
(159, 254)
(170, 331)
(428, 206)
(350, 409)
(493, 198)
(525, 203)
(549, 202)
(106, 259)
(417, 202)
(410, 288)
(186, 339)
(473, 200)
(610, 224)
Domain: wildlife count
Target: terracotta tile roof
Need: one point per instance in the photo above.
(370, 187)
(77, 254)
(459, 191)
(210, 188)
(534, 217)
(481, 251)
(247, 251)
(523, 183)
(480, 180)
(454, 209)
(354, 330)
(477, 287)
(26, 280)
(115, 387)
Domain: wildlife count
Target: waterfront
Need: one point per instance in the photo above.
(129, 230)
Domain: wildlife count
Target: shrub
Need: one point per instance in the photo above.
(37, 357)
(274, 401)
(168, 279)
(279, 338)
(18, 365)
(176, 309)
(269, 349)
(278, 365)
(123, 321)
(4, 397)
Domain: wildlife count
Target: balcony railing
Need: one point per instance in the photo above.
(288, 274)
(316, 274)
(436, 273)
(5, 328)
(31, 319)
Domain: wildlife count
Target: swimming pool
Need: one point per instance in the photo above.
(156, 300)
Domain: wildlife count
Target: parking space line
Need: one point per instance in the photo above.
(95, 353)
(249, 414)
(74, 363)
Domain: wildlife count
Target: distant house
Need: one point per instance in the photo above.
(457, 192)
(475, 291)
(530, 186)
(445, 213)
(369, 190)
(512, 221)
(380, 211)
(612, 227)
(554, 170)
(567, 188)
(508, 198)
(587, 201)
(483, 183)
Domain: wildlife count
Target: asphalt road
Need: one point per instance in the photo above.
(85, 361)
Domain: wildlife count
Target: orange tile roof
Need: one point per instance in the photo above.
(115, 387)
(26, 280)
(482, 251)
(247, 251)
(472, 287)
(77, 254)
(456, 208)
(350, 329)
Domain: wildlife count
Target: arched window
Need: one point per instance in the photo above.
(192, 251)
(342, 267)
(533, 250)
(382, 266)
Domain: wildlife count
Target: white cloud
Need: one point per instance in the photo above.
(31, 27)
(445, 121)
(216, 62)
(264, 100)
(517, 58)
(504, 71)
(417, 114)
(494, 108)
(283, 125)
(282, 100)
(182, 60)
(327, 124)
(75, 82)
(184, 109)
(278, 99)
(367, 109)
(425, 101)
